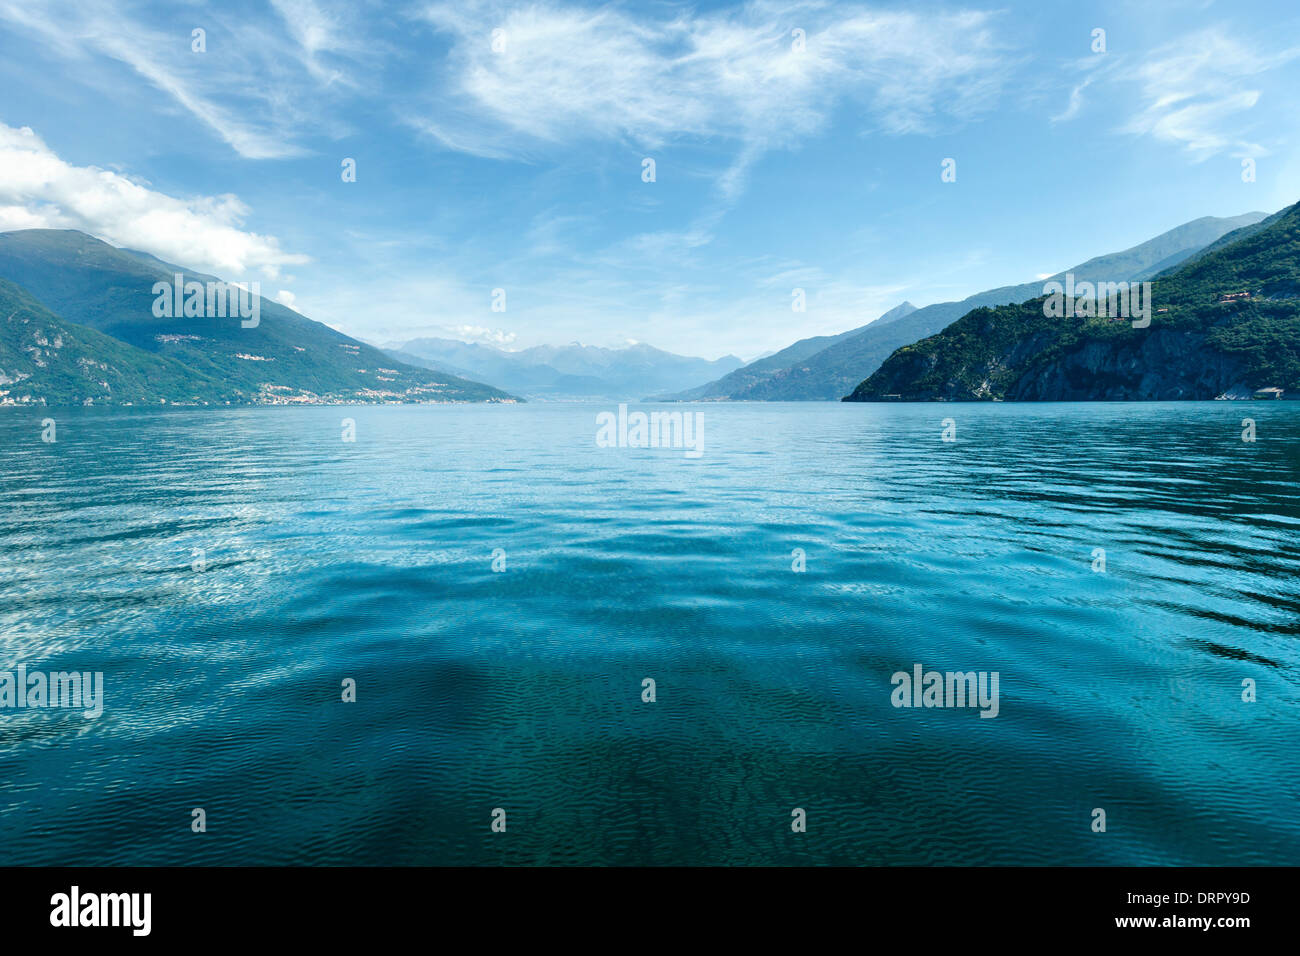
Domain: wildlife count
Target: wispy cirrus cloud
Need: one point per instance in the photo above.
(565, 73)
(1198, 91)
(753, 78)
(240, 89)
(41, 191)
(1092, 68)
(321, 34)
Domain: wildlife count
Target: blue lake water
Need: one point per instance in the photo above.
(522, 689)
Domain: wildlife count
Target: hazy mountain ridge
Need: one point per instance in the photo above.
(1199, 345)
(567, 371)
(751, 376)
(1242, 232)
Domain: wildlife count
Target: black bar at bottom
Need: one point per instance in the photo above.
(940, 906)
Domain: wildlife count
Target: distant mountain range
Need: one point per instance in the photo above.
(827, 368)
(1225, 324)
(77, 326)
(549, 372)
(748, 382)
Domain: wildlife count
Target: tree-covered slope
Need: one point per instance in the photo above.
(45, 360)
(285, 358)
(834, 371)
(1199, 344)
(827, 373)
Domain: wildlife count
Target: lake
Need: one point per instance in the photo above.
(499, 588)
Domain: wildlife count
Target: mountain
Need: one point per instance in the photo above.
(45, 360)
(286, 358)
(1226, 324)
(1226, 239)
(835, 369)
(751, 376)
(569, 371)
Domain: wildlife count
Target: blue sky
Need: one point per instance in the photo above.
(518, 165)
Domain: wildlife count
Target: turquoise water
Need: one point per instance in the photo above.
(521, 689)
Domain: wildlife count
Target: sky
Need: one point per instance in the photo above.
(508, 146)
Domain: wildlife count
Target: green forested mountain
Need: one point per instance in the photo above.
(285, 358)
(833, 370)
(47, 360)
(1199, 345)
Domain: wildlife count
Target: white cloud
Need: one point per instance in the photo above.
(569, 73)
(1094, 67)
(1199, 89)
(41, 191)
(479, 333)
(318, 31)
(242, 89)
